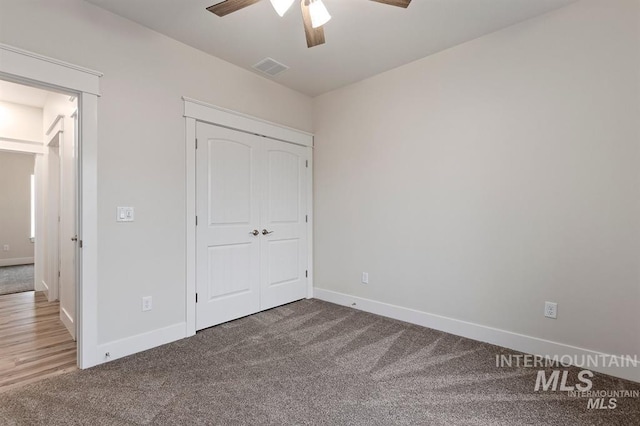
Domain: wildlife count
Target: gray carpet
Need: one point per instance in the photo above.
(16, 279)
(310, 362)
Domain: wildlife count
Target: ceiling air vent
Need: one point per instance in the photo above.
(270, 67)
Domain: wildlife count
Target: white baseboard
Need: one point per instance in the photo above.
(140, 342)
(494, 336)
(16, 261)
(68, 322)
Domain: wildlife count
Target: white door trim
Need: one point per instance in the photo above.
(30, 68)
(53, 244)
(48, 72)
(219, 116)
(195, 111)
(17, 145)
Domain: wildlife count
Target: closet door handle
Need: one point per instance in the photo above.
(265, 232)
(255, 232)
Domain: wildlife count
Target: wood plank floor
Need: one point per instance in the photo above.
(34, 344)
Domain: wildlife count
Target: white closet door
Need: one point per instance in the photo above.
(227, 206)
(282, 218)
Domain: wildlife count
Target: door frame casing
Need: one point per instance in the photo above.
(54, 134)
(21, 66)
(198, 111)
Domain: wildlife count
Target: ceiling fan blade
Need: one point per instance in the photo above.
(315, 36)
(229, 6)
(399, 3)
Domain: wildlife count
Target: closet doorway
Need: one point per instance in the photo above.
(249, 186)
(251, 229)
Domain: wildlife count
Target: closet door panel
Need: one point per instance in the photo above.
(227, 205)
(283, 213)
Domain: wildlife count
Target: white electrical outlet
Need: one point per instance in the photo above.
(147, 303)
(365, 278)
(551, 310)
(5, 247)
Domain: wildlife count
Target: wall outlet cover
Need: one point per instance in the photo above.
(551, 310)
(147, 303)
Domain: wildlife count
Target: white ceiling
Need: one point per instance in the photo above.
(364, 38)
(23, 95)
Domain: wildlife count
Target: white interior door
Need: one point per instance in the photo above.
(251, 235)
(68, 230)
(227, 209)
(283, 221)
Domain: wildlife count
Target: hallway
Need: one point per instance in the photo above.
(34, 344)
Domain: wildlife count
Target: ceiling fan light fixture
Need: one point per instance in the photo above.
(319, 13)
(281, 6)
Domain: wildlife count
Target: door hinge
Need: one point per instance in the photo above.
(196, 297)
(80, 243)
(58, 274)
(196, 220)
(306, 274)
(306, 218)
(306, 163)
(196, 143)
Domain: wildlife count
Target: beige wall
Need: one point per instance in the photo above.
(487, 179)
(15, 208)
(24, 123)
(20, 122)
(141, 146)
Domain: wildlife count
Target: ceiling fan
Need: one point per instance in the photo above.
(314, 13)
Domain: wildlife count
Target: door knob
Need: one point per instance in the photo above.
(265, 232)
(255, 232)
(74, 238)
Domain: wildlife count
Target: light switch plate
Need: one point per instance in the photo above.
(125, 214)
